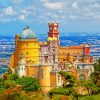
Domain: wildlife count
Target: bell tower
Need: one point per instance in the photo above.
(53, 30)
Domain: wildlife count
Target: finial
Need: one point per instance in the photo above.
(27, 27)
(48, 21)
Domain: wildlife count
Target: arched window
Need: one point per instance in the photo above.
(82, 77)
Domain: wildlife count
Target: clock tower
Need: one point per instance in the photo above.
(53, 30)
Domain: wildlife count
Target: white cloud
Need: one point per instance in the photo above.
(53, 5)
(22, 17)
(45, 1)
(16, 1)
(44, 10)
(75, 5)
(9, 11)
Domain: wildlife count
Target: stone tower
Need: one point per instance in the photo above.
(53, 30)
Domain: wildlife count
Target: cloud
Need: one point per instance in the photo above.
(21, 17)
(16, 1)
(9, 11)
(54, 6)
(75, 5)
(45, 10)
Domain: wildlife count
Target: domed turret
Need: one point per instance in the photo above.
(21, 69)
(49, 38)
(27, 33)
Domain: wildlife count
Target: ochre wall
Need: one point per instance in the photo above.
(28, 49)
(12, 61)
(45, 82)
(53, 79)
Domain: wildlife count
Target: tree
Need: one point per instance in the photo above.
(2, 88)
(68, 85)
(95, 81)
(68, 79)
(13, 77)
(9, 84)
(97, 66)
(28, 84)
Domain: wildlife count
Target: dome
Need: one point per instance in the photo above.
(54, 38)
(27, 34)
(49, 39)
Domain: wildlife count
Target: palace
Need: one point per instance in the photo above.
(43, 60)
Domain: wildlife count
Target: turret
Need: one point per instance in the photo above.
(53, 30)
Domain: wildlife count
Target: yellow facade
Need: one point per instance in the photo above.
(62, 54)
(12, 60)
(44, 78)
(27, 49)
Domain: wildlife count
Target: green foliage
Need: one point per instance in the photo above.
(9, 84)
(14, 96)
(17, 96)
(28, 84)
(91, 97)
(56, 97)
(62, 91)
(68, 86)
(97, 66)
(95, 82)
(2, 88)
(13, 77)
(68, 79)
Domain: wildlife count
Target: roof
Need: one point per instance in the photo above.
(27, 33)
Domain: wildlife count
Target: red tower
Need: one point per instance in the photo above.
(53, 30)
(87, 50)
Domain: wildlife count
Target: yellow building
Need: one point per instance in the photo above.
(27, 47)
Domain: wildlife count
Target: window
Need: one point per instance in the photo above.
(54, 58)
(82, 77)
(34, 44)
(63, 59)
(27, 44)
(26, 53)
(21, 55)
(46, 59)
(42, 72)
(33, 75)
(26, 58)
(58, 78)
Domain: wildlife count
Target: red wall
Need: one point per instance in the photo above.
(87, 50)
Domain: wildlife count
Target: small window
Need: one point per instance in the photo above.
(82, 77)
(26, 53)
(27, 44)
(34, 44)
(21, 55)
(42, 72)
(33, 75)
(27, 58)
(63, 59)
(58, 78)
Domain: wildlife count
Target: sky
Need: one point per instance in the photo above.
(72, 15)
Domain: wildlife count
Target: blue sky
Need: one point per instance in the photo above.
(73, 15)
